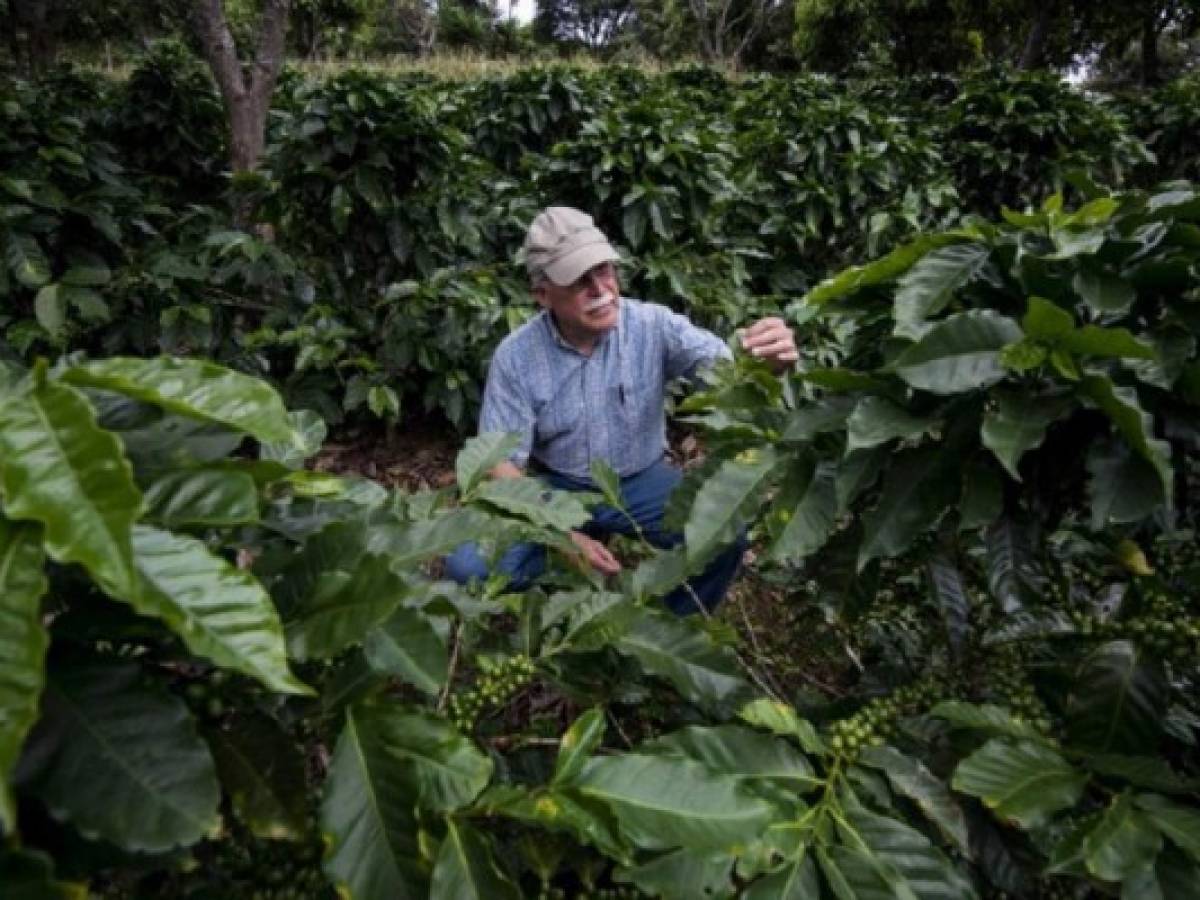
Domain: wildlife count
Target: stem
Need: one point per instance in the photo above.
(456, 643)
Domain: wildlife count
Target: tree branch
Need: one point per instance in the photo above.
(219, 49)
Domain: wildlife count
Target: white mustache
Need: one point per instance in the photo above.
(603, 300)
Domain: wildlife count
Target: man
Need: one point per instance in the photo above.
(586, 380)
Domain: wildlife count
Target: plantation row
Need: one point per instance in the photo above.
(381, 274)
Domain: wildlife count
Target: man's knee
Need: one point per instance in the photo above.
(466, 564)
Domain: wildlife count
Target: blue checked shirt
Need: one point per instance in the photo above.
(571, 409)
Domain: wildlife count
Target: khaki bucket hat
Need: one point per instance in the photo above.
(562, 243)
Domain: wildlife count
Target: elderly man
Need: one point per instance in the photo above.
(585, 380)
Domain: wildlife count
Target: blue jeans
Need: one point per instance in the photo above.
(644, 495)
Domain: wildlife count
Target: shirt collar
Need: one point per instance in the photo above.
(564, 344)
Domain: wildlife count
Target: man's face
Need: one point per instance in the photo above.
(585, 309)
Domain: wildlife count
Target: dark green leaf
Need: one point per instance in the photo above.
(1118, 701)
(1021, 782)
(960, 353)
(480, 455)
(742, 753)
(911, 779)
(1122, 486)
(262, 771)
(1018, 424)
(1179, 823)
(408, 646)
(929, 285)
(889, 267)
(578, 743)
(810, 522)
(877, 420)
(1122, 843)
(918, 488)
(531, 500)
(684, 875)
(203, 497)
(723, 499)
(466, 868)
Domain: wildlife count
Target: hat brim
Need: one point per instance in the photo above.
(572, 266)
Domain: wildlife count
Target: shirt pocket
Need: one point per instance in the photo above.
(558, 416)
(639, 408)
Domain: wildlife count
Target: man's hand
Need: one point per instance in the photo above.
(771, 340)
(596, 554)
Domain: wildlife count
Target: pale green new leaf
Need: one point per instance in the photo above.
(703, 672)
(1122, 843)
(877, 420)
(1021, 782)
(203, 498)
(262, 770)
(663, 802)
(531, 500)
(928, 286)
(480, 455)
(221, 612)
(960, 353)
(1018, 424)
(193, 388)
(308, 434)
(23, 643)
(62, 470)
(579, 742)
(466, 868)
(910, 778)
(722, 500)
(408, 646)
(123, 762)
(780, 718)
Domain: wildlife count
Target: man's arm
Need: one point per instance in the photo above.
(771, 339)
(594, 553)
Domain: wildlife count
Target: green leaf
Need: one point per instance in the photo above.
(531, 500)
(221, 612)
(408, 544)
(203, 497)
(29, 875)
(1108, 343)
(1021, 782)
(27, 261)
(918, 489)
(308, 434)
(1121, 405)
(1122, 486)
(1018, 424)
(960, 353)
(1181, 824)
(877, 420)
(983, 495)
(902, 856)
(23, 643)
(367, 816)
(796, 880)
(609, 483)
(781, 719)
(579, 742)
(912, 780)
(888, 268)
(589, 821)
(703, 672)
(1118, 701)
(663, 802)
(683, 875)
(810, 523)
(1103, 292)
(930, 284)
(466, 868)
(342, 607)
(123, 762)
(480, 455)
(409, 647)
(341, 204)
(1046, 321)
(194, 388)
(64, 471)
(1122, 843)
(723, 499)
(1144, 771)
(985, 717)
(90, 274)
(1011, 566)
(50, 309)
(951, 599)
(740, 752)
(262, 770)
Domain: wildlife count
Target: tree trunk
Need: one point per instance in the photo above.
(1150, 63)
(40, 47)
(1035, 44)
(246, 90)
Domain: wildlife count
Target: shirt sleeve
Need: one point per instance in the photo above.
(506, 407)
(687, 347)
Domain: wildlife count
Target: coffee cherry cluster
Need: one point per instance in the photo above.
(273, 870)
(1009, 685)
(618, 892)
(876, 722)
(496, 684)
(1176, 639)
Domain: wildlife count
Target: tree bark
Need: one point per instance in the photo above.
(1035, 44)
(1150, 62)
(245, 90)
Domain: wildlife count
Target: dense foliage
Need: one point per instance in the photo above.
(224, 673)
